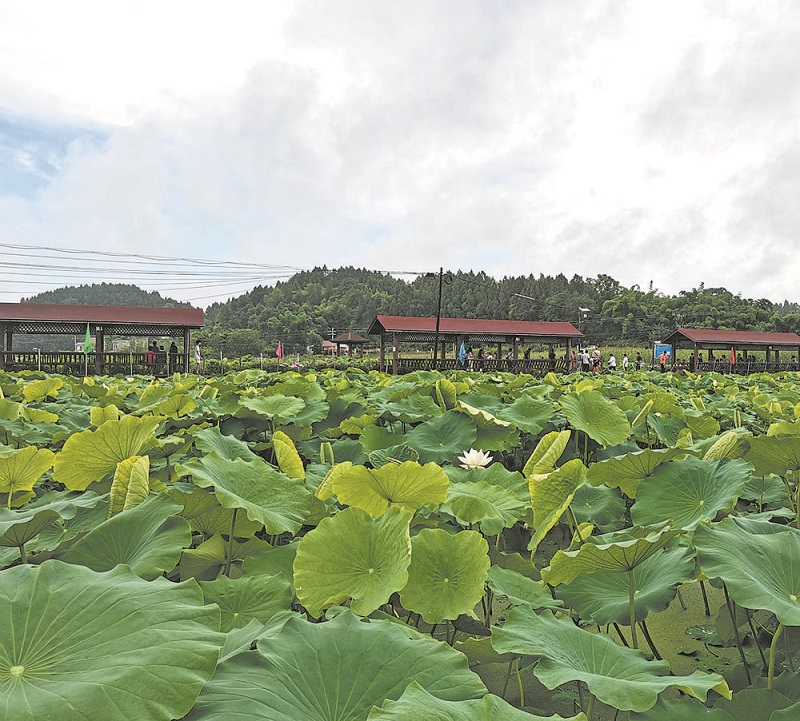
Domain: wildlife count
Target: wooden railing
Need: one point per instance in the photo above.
(78, 364)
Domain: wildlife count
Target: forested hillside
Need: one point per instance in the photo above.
(106, 294)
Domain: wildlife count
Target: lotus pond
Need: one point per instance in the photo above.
(349, 545)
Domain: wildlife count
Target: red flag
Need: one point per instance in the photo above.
(279, 350)
(733, 356)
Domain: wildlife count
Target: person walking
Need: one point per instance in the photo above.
(198, 358)
(173, 357)
(612, 363)
(625, 363)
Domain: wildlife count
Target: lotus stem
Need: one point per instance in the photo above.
(590, 708)
(732, 612)
(771, 672)
(680, 598)
(632, 607)
(508, 678)
(650, 640)
(10, 493)
(755, 638)
(621, 635)
(229, 559)
(23, 556)
(705, 597)
(521, 689)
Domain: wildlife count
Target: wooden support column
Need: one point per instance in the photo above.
(515, 349)
(766, 355)
(186, 350)
(696, 357)
(2, 343)
(395, 354)
(99, 354)
(568, 354)
(383, 353)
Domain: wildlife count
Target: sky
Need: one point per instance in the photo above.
(657, 143)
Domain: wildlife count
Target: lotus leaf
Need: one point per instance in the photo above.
(614, 552)
(275, 561)
(20, 469)
(774, 454)
(407, 485)
(446, 575)
(207, 560)
(177, 405)
(754, 704)
(210, 440)
(702, 425)
(75, 643)
(601, 419)
(547, 452)
(207, 516)
(268, 496)
(90, 456)
(728, 445)
(414, 408)
(375, 438)
(520, 589)
(38, 415)
(148, 538)
(628, 471)
(764, 572)
(42, 389)
(243, 600)
(615, 675)
(493, 507)
(599, 505)
(288, 458)
(440, 440)
(446, 393)
(394, 454)
(100, 414)
(528, 414)
(334, 670)
(348, 449)
(352, 555)
(551, 494)
(276, 405)
(604, 597)
(683, 710)
(688, 491)
(131, 484)
(416, 703)
(666, 428)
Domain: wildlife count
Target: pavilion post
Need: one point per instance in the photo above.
(2, 344)
(186, 341)
(515, 348)
(395, 354)
(383, 353)
(99, 352)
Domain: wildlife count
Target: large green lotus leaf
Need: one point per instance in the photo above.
(374, 438)
(275, 561)
(519, 589)
(495, 474)
(275, 405)
(615, 675)
(416, 704)
(628, 471)
(493, 507)
(440, 440)
(38, 415)
(90, 456)
(414, 408)
(243, 600)
(42, 389)
(100, 414)
(211, 440)
(763, 572)
(614, 552)
(394, 454)
(528, 414)
(20, 469)
(334, 670)
(604, 597)
(599, 505)
(446, 393)
(148, 538)
(177, 405)
(78, 645)
(551, 494)
(755, 704)
(683, 710)
(701, 424)
(666, 428)
(765, 489)
(349, 449)
(206, 515)
(774, 454)
(9, 410)
(131, 484)
(268, 496)
(689, 491)
(313, 412)
(408, 485)
(546, 454)
(18, 526)
(356, 424)
(601, 419)
(352, 555)
(483, 418)
(446, 575)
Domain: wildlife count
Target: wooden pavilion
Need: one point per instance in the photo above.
(732, 348)
(351, 340)
(102, 321)
(510, 335)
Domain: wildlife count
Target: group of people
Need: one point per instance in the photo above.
(593, 362)
(159, 361)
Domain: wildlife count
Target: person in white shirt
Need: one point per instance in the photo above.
(625, 362)
(612, 363)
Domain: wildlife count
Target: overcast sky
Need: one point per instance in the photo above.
(649, 141)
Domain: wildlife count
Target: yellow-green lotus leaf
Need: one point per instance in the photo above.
(408, 485)
(177, 405)
(353, 556)
(446, 575)
(551, 493)
(38, 415)
(100, 414)
(546, 454)
(594, 414)
(38, 390)
(288, 458)
(20, 469)
(325, 490)
(131, 484)
(446, 394)
(9, 410)
(628, 471)
(90, 456)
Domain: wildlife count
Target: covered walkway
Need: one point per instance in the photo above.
(729, 351)
(504, 335)
(103, 321)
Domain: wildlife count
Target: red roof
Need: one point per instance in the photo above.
(736, 337)
(467, 326)
(50, 312)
